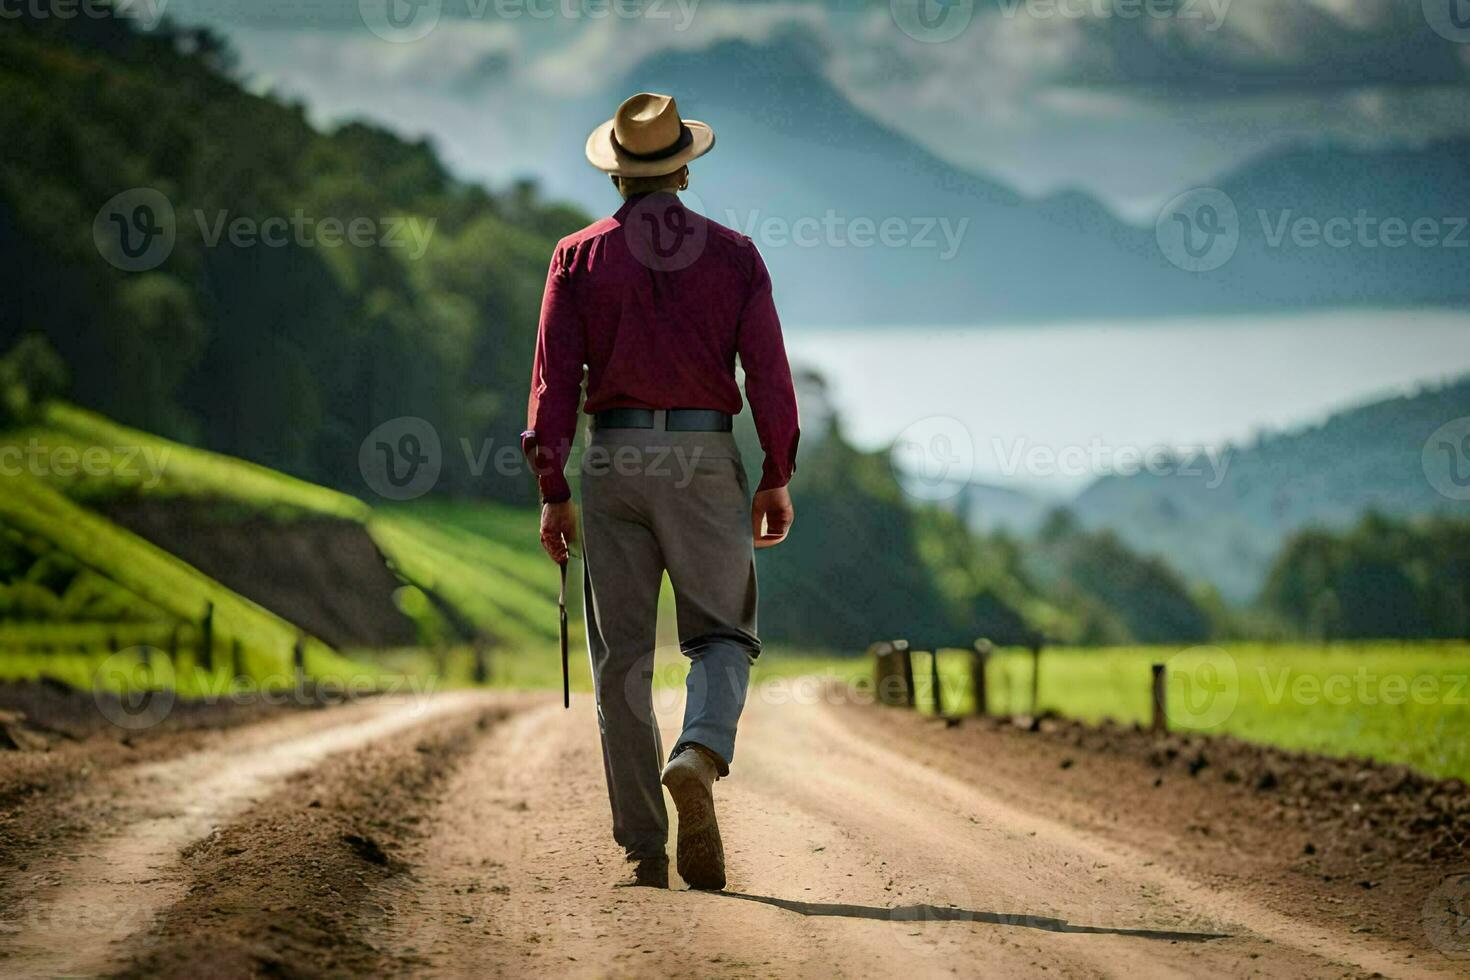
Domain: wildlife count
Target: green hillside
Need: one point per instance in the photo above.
(287, 354)
(1324, 476)
(74, 585)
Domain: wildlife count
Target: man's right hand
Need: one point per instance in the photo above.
(558, 529)
(771, 516)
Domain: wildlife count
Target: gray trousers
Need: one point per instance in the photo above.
(655, 501)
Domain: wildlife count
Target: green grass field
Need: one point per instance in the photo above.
(1398, 702)
(1403, 702)
(75, 587)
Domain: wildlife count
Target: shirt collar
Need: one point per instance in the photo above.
(636, 199)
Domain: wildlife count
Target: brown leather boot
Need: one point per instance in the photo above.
(645, 872)
(690, 777)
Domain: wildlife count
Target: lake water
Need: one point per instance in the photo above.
(1092, 394)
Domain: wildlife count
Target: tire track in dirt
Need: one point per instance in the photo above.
(847, 857)
(80, 908)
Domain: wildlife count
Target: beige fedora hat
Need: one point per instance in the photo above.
(647, 138)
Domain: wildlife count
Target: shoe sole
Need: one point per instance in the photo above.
(700, 852)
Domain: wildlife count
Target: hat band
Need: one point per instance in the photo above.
(686, 138)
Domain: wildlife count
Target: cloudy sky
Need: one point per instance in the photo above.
(1132, 100)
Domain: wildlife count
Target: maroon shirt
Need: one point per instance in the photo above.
(656, 302)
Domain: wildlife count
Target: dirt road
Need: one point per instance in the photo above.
(467, 835)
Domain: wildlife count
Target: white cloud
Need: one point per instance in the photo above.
(1128, 110)
(609, 48)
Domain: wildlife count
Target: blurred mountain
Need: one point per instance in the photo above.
(987, 508)
(793, 149)
(1327, 476)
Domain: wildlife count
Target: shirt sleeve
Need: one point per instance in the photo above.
(768, 387)
(556, 385)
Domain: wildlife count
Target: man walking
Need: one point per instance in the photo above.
(655, 303)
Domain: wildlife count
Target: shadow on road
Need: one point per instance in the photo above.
(935, 913)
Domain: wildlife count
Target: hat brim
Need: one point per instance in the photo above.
(603, 155)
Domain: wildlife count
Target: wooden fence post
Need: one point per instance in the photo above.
(979, 658)
(905, 659)
(935, 683)
(1036, 677)
(482, 664)
(891, 663)
(884, 670)
(298, 660)
(1160, 694)
(206, 637)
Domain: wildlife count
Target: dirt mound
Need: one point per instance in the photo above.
(289, 889)
(326, 575)
(1383, 814)
(1334, 840)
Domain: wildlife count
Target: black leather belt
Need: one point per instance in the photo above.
(677, 419)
